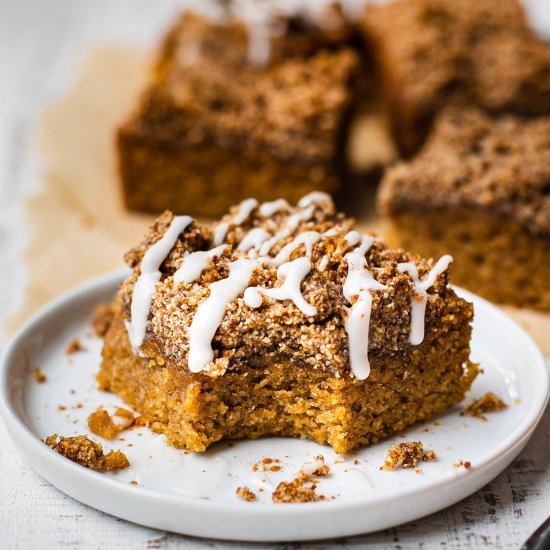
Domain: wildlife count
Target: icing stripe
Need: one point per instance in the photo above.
(144, 288)
(357, 286)
(418, 307)
(210, 313)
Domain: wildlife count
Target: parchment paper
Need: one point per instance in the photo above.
(79, 227)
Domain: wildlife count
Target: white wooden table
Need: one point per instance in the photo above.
(41, 46)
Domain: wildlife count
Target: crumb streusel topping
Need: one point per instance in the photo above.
(277, 280)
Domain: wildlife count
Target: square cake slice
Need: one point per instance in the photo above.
(238, 107)
(283, 320)
(430, 54)
(480, 190)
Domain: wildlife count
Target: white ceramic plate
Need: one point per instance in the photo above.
(195, 494)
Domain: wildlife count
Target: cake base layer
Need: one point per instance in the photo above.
(271, 395)
(200, 180)
(494, 256)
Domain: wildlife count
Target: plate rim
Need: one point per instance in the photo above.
(25, 438)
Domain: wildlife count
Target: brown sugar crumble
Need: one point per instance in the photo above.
(39, 376)
(429, 456)
(462, 463)
(87, 453)
(102, 318)
(74, 347)
(320, 468)
(301, 489)
(103, 424)
(489, 403)
(244, 493)
(407, 455)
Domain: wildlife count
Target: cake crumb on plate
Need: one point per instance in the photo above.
(407, 455)
(244, 493)
(488, 403)
(87, 453)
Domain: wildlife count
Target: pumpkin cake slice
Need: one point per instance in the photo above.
(479, 189)
(283, 320)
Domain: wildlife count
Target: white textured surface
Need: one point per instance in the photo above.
(41, 45)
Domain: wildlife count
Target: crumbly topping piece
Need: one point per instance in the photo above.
(103, 424)
(74, 346)
(429, 456)
(488, 403)
(244, 493)
(87, 453)
(268, 464)
(102, 317)
(407, 455)
(301, 489)
(498, 164)
(462, 464)
(39, 376)
(316, 467)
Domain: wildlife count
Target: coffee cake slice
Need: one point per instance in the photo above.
(244, 103)
(430, 54)
(283, 320)
(479, 189)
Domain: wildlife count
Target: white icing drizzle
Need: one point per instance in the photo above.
(263, 20)
(220, 232)
(324, 262)
(269, 208)
(144, 288)
(293, 274)
(418, 307)
(253, 239)
(195, 263)
(330, 232)
(352, 239)
(317, 198)
(209, 314)
(358, 284)
(313, 465)
(288, 228)
(245, 209)
(307, 238)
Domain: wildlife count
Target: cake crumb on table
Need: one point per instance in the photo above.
(407, 455)
(39, 376)
(488, 403)
(244, 493)
(87, 453)
(103, 424)
(74, 347)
